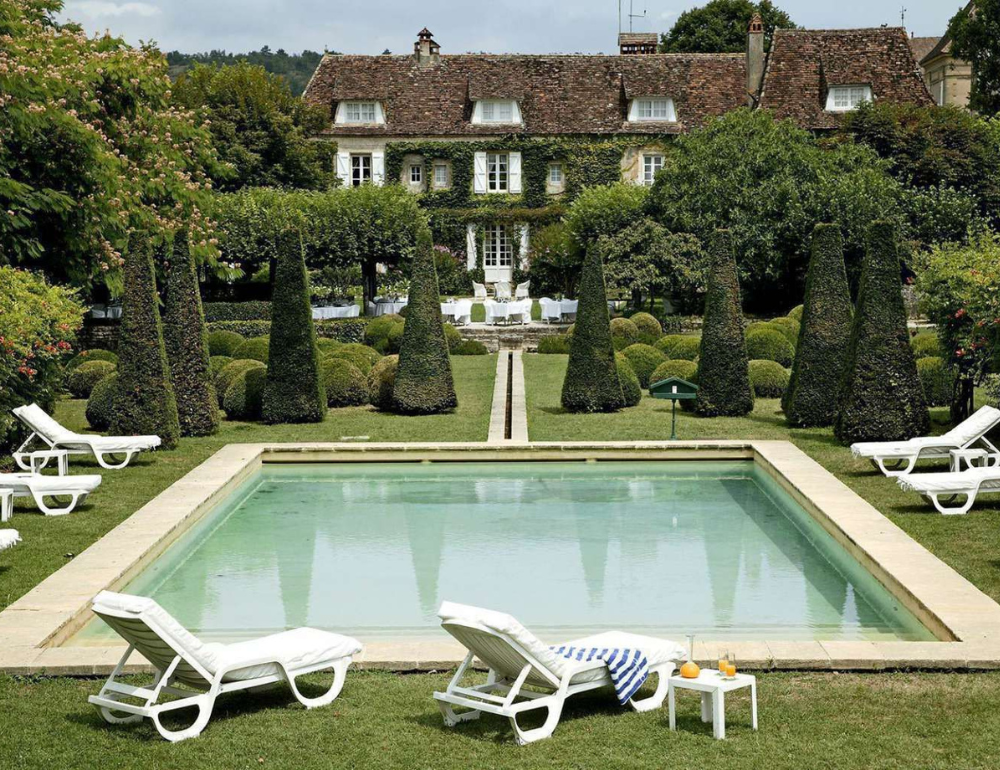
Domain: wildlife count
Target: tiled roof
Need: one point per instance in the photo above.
(558, 94)
(803, 64)
(921, 46)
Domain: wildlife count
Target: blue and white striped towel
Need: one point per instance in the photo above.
(628, 668)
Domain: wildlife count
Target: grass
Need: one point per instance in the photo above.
(49, 542)
(968, 543)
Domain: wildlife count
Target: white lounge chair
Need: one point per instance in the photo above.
(9, 538)
(206, 671)
(905, 454)
(55, 436)
(478, 290)
(39, 488)
(953, 487)
(517, 659)
(522, 290)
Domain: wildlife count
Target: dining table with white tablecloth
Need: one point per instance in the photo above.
(335, 311)
(458, 311)
(386, 306)
(508, 312)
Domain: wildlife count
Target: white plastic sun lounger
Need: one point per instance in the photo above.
(55, 436)
(945, 490)
(195, 673)
(40, 488)
(516, 659)
(903, 455)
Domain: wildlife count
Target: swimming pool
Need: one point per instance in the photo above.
(715, 548)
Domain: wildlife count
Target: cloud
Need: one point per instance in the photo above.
(98, 8)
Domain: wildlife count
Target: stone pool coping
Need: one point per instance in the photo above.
(967, 622)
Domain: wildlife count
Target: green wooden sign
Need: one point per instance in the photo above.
(675, 389)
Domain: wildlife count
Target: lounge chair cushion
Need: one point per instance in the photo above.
(977, 425)
(42, 423)
(657, 651)
(297, 649)
(954, 483)
(50, 485)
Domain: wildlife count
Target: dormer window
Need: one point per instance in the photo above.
(652, 108)
(359, 112)
(496, 111)
(847, 98)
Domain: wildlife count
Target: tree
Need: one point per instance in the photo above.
(811, 397)
(187, 345)
(604, 210)
(592, 383)
(555, 260)
(974, 32)
(259, 128)
(144, 403)
(424, 383)
(881, 398)
(295, 69)
(723, 367)
(294, 390)
(720, 26)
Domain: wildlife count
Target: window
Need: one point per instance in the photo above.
(497, 164)
(359, 112)
(498, 247)
(939, 92)
(846, 98)
(361, 169)
(496, 111)
(416, 174)
(659, 108)
(650, 165)
(555, 174)
(441, 175)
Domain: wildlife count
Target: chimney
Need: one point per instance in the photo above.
(425, 50)
(755, 59)
(630, 43)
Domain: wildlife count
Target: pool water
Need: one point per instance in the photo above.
(712, 548)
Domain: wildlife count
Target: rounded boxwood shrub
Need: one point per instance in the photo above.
(101, 403)
(666, 343)
(83, 378)
(356, 358)
(643, 359)
(244, 399)
(648, 327)
(787, 326)
(760, 326)
(327, 346)
(631, 389)
(345, 384)
(381, 328)
(797, 312)
(216, 363)
(675, 367)
(230, 372)
(685, 347)
(937, 379)
(368, 352)
(623, 333)
(770, 345)
(769, 378)
(926, 345)
(255, 348)
(554, 344)
(224, 343)
(381, 380)
(86, 356)
(453, 336)
(471, 348)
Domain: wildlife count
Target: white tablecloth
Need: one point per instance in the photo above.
(558, 310)
(336, 311)
(386, 308)
(519, 311)
(460, 310)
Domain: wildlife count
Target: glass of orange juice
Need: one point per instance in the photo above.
(723, 664)
(731, 670)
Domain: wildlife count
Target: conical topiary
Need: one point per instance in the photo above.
(881, 398)
(724, 387)
(592, 383)
(187, 345)
(294, 390)
(144, 402)
(811, 397)
(424, 383)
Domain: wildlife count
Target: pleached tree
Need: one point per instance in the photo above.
(424, 382)
(187, 345)
(144, 401)
(724, 388)
(811, 397)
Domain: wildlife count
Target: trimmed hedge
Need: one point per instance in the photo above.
(648, 327)
(926, 345)
(623, 332)
(224, 343)
(686, 370)
(82, 379)
(681, 347)
(471, 348)
(257, 348)
(453, 337)
(631, 389)
(215, 365)
(101, 404)
(86, 356)
(228, 373)
(356, 358)
(328, 347)
(345, 384)
(187, 345)
(385, 333)
(294, 392)
(244, 400)
(810, 399)
(881, 398)
(723, 366)
(643, 359)
(144, 399)
(769, 378)
(789, 327)
(381, 380)
(937, 380)
(257, 310)
(424, 382)
(554, 343)
(796, 313)
(340, 329)
(370, 353)
(592, 383)
(769, 345)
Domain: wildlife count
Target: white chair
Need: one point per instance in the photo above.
(521, 292)
(551, 309)
(496, 311)
(501, 290)
(462, 309)
(568, 308)
(206, 671)
(478, 290)
(516, 659)
(944, 490)
(520, 311)
(905, 454)
(40, 488)
(55, 436)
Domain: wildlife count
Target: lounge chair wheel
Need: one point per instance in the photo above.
(204, 705)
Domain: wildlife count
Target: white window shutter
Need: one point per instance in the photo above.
(344, 167)
(470, 247)
(525, 245)
(479, 182)
(378, 168)
(514, 173)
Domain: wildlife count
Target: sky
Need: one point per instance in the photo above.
(495, 26)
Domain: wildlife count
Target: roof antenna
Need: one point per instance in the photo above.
(634, 15)
(902, 17)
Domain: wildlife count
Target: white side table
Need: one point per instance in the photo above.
(6, 504)
(713, 689)
(38, 460)
(973, 458)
